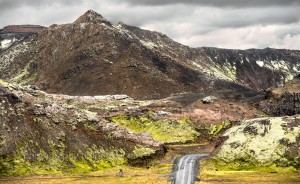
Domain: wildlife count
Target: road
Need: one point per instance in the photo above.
(185, 169)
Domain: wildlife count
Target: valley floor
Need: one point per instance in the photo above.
(242, 177)
(157, 174)
(146, 177)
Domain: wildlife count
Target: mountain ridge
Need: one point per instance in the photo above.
(61, 110)
(93, 56)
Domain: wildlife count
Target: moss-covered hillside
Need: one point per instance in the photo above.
(48, 134)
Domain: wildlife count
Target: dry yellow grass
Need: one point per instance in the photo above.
(155, 175)
(86, 180)
(132, 175)
(243, 177)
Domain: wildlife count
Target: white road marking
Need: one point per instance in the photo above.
(185, 168)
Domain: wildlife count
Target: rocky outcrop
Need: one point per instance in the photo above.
(254, 68)
(43, 133)
(93, 56)
(92, 17)
(259, 143)
(283, 101)
(284, 104)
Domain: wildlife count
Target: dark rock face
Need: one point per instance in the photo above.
(283, 101)
(254, 68)
(93, 56)
(7, 39)
(285, 104)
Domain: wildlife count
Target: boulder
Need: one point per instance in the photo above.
(262, 142)
(209, 99)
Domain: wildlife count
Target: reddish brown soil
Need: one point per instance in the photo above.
(22, 29)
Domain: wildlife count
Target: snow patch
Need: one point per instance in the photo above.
(148, 44)
(196, 64)
(279, 65)
(296, 68)
(83, 25)
(260, 63)
(6, 43)
(123, 31)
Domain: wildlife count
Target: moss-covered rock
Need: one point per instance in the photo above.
(263, 142)
(162, 130)
(44, 134)
(140, 152)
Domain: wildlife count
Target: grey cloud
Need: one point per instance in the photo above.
(16, 3)
(241, 24)
(7, 5)
(217, 3)
(42, 12)
(202, 20)
(140, 16)
(276, 36)
(246, 17)
(204, 17)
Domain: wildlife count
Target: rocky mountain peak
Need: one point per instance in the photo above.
(92, 53)
(92, 17)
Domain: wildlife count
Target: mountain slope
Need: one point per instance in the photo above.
(93, 56)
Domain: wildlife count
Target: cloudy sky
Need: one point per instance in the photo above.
(238, 24)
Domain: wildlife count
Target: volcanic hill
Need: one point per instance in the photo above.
(93, 56)
(91, 95)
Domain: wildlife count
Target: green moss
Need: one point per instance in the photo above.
(241, 165)
(3, 83)
(37, 119)
(140, 152)
(162, 130)
(185, 120)
(248, 163)
(281, 176)
(27, 73)
(102, 159)
(5, 165)
(215, 129)
(212, 131)
(150, 112)
(2, 141)
(91, 126)
(26, 160)
(260, 142)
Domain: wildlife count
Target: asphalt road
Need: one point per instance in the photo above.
(185, 169)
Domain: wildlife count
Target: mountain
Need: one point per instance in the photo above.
(89, 95)
(93, 56)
